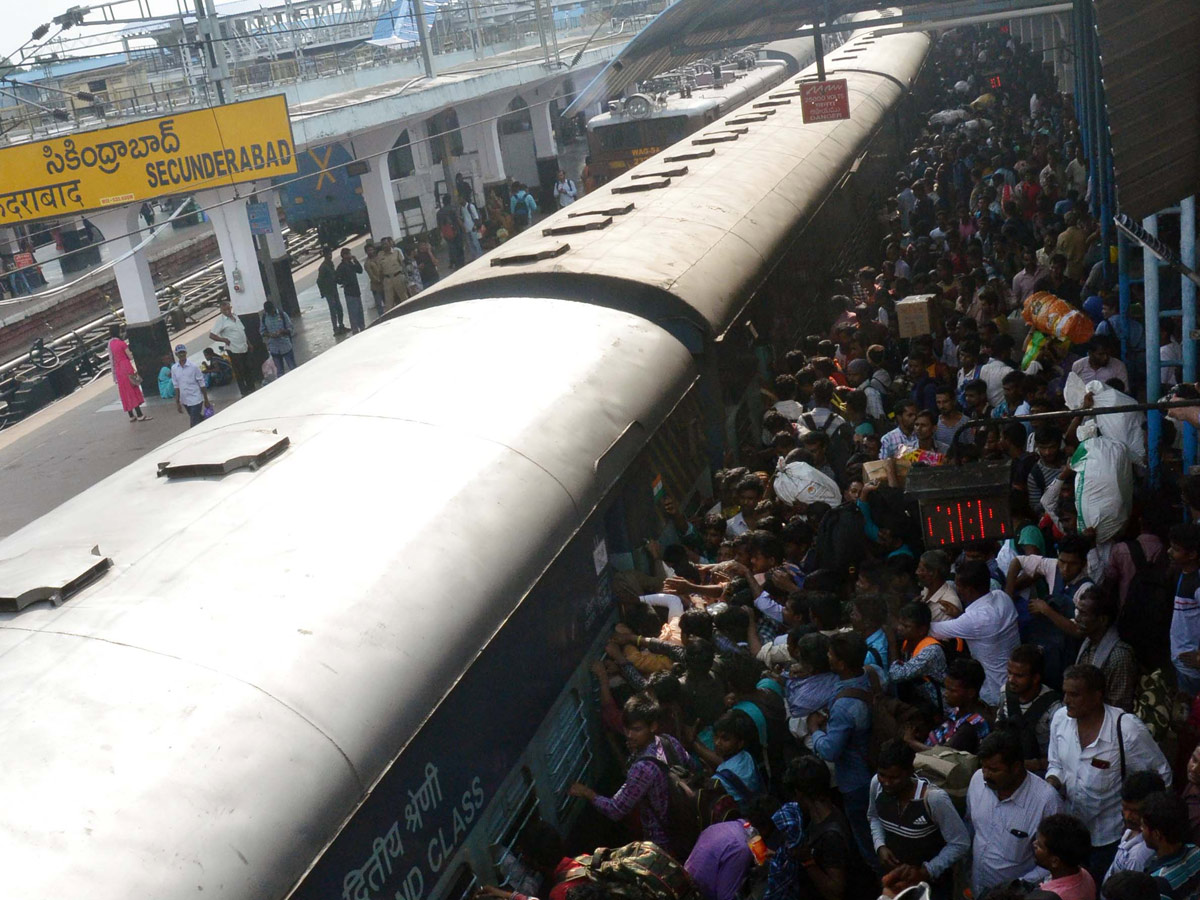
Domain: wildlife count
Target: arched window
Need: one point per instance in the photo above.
(517, 119)
(400, 158)
(444, 123)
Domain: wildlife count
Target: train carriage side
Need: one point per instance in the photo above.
(757, 213)
(342, 673)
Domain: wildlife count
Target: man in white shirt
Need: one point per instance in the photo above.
(1005, 805)
(749, 492)
(858, 375)
(1099, 364)
(988, 624)
(993, 371)
(933, 570)
(190, 390)
(564, 190)
(471, 222)
(229, 330)
(1089, 759)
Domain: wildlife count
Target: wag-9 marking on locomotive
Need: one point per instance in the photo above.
(369, 880)
(186, 152)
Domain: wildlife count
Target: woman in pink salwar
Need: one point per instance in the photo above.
(129, 383)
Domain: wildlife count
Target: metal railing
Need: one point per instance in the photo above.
(179, 302)
(168, 78)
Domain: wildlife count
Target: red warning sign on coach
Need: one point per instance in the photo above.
(825, 101)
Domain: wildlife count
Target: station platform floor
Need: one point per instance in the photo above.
(71, 444)
(68, 446)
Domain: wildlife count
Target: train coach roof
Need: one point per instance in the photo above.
(208, 712)
(703, 230)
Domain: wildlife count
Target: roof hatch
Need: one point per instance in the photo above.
(50, 574)
(223, 451)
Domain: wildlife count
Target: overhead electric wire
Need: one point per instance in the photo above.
(523, 8)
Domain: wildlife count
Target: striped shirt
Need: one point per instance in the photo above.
(1181, 871)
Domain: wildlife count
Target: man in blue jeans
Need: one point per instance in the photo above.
(843, 736)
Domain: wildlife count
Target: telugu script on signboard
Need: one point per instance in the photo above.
(177, 154)
(825, 101)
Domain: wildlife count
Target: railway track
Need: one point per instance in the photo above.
(84, 347)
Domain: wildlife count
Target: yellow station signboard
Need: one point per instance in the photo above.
(176, 154)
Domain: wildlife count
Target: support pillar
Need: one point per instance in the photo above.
(1187, 255)
(545, 148)
(484, 139)
(1153, 362)
(376, 183)
(226, 208)
(277, 256)
(145, 325)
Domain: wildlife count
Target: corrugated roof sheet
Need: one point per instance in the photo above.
(664, 43)
(1151, 71)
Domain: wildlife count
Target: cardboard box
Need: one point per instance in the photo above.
(876, 470)
(915, 315)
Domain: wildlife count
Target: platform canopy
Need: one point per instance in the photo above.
(1152, 96)
(688, 30)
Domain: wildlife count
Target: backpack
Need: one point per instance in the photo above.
(521, 213)
(889, 716)
(1145, 621)
(949, 769)
(841, 538)
(684, 794)
(841, 440)
(638, 870)
(1152, 703)
(1024, 724)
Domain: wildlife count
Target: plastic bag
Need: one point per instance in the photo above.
(270, 373)
(1123, 427)
(1103, 486)
(801, 483)
(207, 411)
(1057, 318)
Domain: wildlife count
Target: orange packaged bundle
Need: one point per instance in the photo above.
(1057, 318)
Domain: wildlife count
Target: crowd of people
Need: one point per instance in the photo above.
(812, 703)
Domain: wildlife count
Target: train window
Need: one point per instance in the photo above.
(641, 133)
(464, 885)
(568, 751)
(520, 808)
(400, 158)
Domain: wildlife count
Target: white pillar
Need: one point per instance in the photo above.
(376, 183)
(484, 138)
(226, 207)
(275, 242)
(134, 282)
(544, 144)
